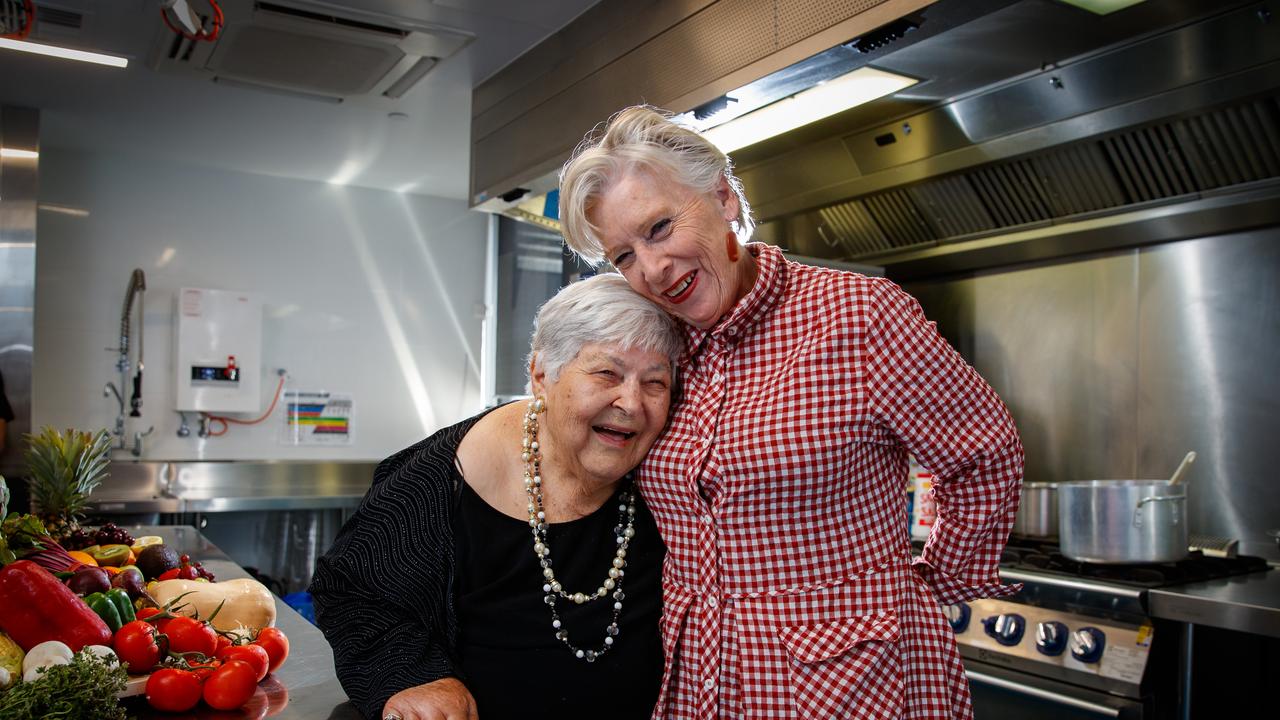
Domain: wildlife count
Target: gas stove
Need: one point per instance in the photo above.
(1080, 627)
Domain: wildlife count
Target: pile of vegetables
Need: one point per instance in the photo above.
(72, 631)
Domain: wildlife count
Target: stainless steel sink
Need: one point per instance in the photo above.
(200, 487)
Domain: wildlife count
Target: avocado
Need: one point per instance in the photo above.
(155, 560)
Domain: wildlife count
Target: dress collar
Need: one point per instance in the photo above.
(771, 280)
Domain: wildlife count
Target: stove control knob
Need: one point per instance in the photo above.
(1087, 644)
(1006, 629)
(1051, 638)
(958, 615)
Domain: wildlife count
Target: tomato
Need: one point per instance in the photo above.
(146, 613)
(276, 645)
(204, 669)
(223, 642)
(191, 635)
(173, 690)
(231, 685)
(255, 655)
(139, 645)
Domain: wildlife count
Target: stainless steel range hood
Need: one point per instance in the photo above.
(1029, 114)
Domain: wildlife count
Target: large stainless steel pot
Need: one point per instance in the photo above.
(1037, 511)
(1122, 521)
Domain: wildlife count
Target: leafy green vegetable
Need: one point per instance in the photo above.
(86, 688)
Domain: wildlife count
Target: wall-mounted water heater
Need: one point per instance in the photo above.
(218, 351)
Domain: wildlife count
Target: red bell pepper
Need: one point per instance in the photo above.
(35, 607)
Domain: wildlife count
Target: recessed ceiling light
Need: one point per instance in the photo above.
(64, 53)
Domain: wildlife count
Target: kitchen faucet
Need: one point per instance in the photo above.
(137, 288)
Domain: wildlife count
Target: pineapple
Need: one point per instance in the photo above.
(65, 467)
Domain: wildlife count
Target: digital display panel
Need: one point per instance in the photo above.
(215, 374)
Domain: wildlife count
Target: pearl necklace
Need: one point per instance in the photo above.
(623, 531)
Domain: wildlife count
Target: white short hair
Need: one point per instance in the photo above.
(600, 309)
(639, 136)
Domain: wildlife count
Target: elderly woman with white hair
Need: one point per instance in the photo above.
(505, 567)
(789, 588)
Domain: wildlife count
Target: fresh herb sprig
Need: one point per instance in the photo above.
(85, 688)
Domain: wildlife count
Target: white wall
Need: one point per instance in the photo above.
(366, 292)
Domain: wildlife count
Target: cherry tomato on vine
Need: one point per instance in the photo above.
(255, 655)
(204, 669)
(231, 685)
(191, 635)
(223, 642)
(138, 644)
(146, 613)
(173, 690)
(276, 645)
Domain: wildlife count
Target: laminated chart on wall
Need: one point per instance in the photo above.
(316, 417)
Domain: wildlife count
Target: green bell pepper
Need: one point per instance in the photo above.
(113, 606)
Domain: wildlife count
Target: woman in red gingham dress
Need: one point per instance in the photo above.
(789, 588)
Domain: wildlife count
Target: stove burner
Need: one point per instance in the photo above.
(1021, 555)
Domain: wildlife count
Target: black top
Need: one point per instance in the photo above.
(513, 663)
(385, 592)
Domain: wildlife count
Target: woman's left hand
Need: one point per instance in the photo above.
(444, 699)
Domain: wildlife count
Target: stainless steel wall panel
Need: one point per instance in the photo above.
(19, 185)
(1116, 364)
(1059, 343)
(1209, 339)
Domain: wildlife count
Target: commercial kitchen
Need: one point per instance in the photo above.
(265, 250)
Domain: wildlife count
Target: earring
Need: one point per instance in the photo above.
(731, 246)
(539, 404)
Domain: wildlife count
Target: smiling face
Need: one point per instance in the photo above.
(672, 244)
(603, 413)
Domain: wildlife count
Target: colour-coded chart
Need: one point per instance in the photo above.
(317, 418)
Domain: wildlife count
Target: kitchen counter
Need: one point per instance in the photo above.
(1247, 603)
(305, 686)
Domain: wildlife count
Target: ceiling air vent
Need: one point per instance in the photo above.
(309, 49)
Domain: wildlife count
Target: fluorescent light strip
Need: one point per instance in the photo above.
(65, 53)
(18, 154)
(837, 95)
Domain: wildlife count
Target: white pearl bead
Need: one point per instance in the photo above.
(539, 548)
(629, 533)
(609, 584)
(579, 598)
(555, 624)
(579, 654)
(548, 574)
(556, 587)
(608, 641)
(618, 562)
(617, 606)
(614, 572)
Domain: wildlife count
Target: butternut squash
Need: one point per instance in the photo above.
(248, 603)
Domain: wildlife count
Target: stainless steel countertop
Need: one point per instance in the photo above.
(1248, 603)
(305, 686)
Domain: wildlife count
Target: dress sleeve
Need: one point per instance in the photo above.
(381, 592)
(953, 423)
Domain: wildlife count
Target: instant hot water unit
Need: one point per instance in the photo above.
(218, 351)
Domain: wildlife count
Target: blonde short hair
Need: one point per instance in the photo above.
(639, 136)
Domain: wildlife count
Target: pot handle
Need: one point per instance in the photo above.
(1137, 512)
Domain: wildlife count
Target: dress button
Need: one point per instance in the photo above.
(711, 602)
(708, 683)
(733, 331)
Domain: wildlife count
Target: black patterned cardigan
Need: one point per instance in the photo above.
(384, 592)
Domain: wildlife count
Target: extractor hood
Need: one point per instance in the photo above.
(1028, 113)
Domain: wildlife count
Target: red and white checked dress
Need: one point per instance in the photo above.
(789, 587)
